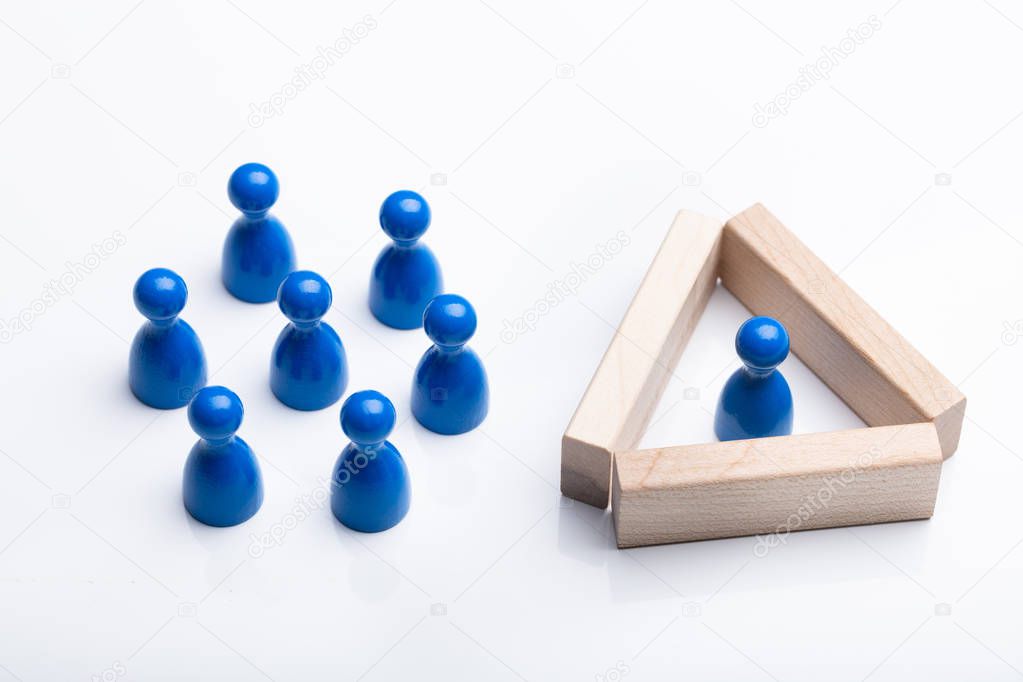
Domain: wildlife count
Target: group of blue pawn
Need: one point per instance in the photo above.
(370, 487)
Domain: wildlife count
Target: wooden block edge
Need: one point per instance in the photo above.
(949, 424)
(581, 458)
(928, 466)
(581, 467)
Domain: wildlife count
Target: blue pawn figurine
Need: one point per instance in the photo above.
(756, 401)
(166, 364)
(222, 484)
(258, 253)
(406, 274)
(308, 369)
(449, 390)
(370, 489)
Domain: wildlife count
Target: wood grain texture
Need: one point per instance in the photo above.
(621, 397)
(833, 331)
(773, 486)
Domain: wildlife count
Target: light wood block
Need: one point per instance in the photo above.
(833, 331)
(774, 486)
(617, 405)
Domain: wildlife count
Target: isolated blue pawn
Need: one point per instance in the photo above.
(406, 274)
(449, 390)
(166, 364)
(222, 485)
(308, 368)
(370, 489)
(756, 401)
(258, 253)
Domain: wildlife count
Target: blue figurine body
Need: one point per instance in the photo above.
(166, 364)
(308, 369)
(406, 275)
(258, 253)
(222, 484)
(370, 489)
(756, 401)
(450, 394)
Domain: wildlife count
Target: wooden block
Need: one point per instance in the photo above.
(833, 331)
(773, 486)
(617, 405)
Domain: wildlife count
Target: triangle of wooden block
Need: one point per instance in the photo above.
(742, 487)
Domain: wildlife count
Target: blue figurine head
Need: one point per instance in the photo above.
(367, 417)
(160, 294)
(304, 297)
(215, 413)
(449, 321)
(253, 189)
(404, 216)
(762, 343)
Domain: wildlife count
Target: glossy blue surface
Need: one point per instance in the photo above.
(450, 394)
(756, 401)
(308, 367)
(258, 253)
(166, 363)
(222, 485)
(406, 275)
(370, 489)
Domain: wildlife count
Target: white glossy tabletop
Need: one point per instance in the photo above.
(539, 133)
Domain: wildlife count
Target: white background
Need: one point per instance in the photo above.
(554, 126)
